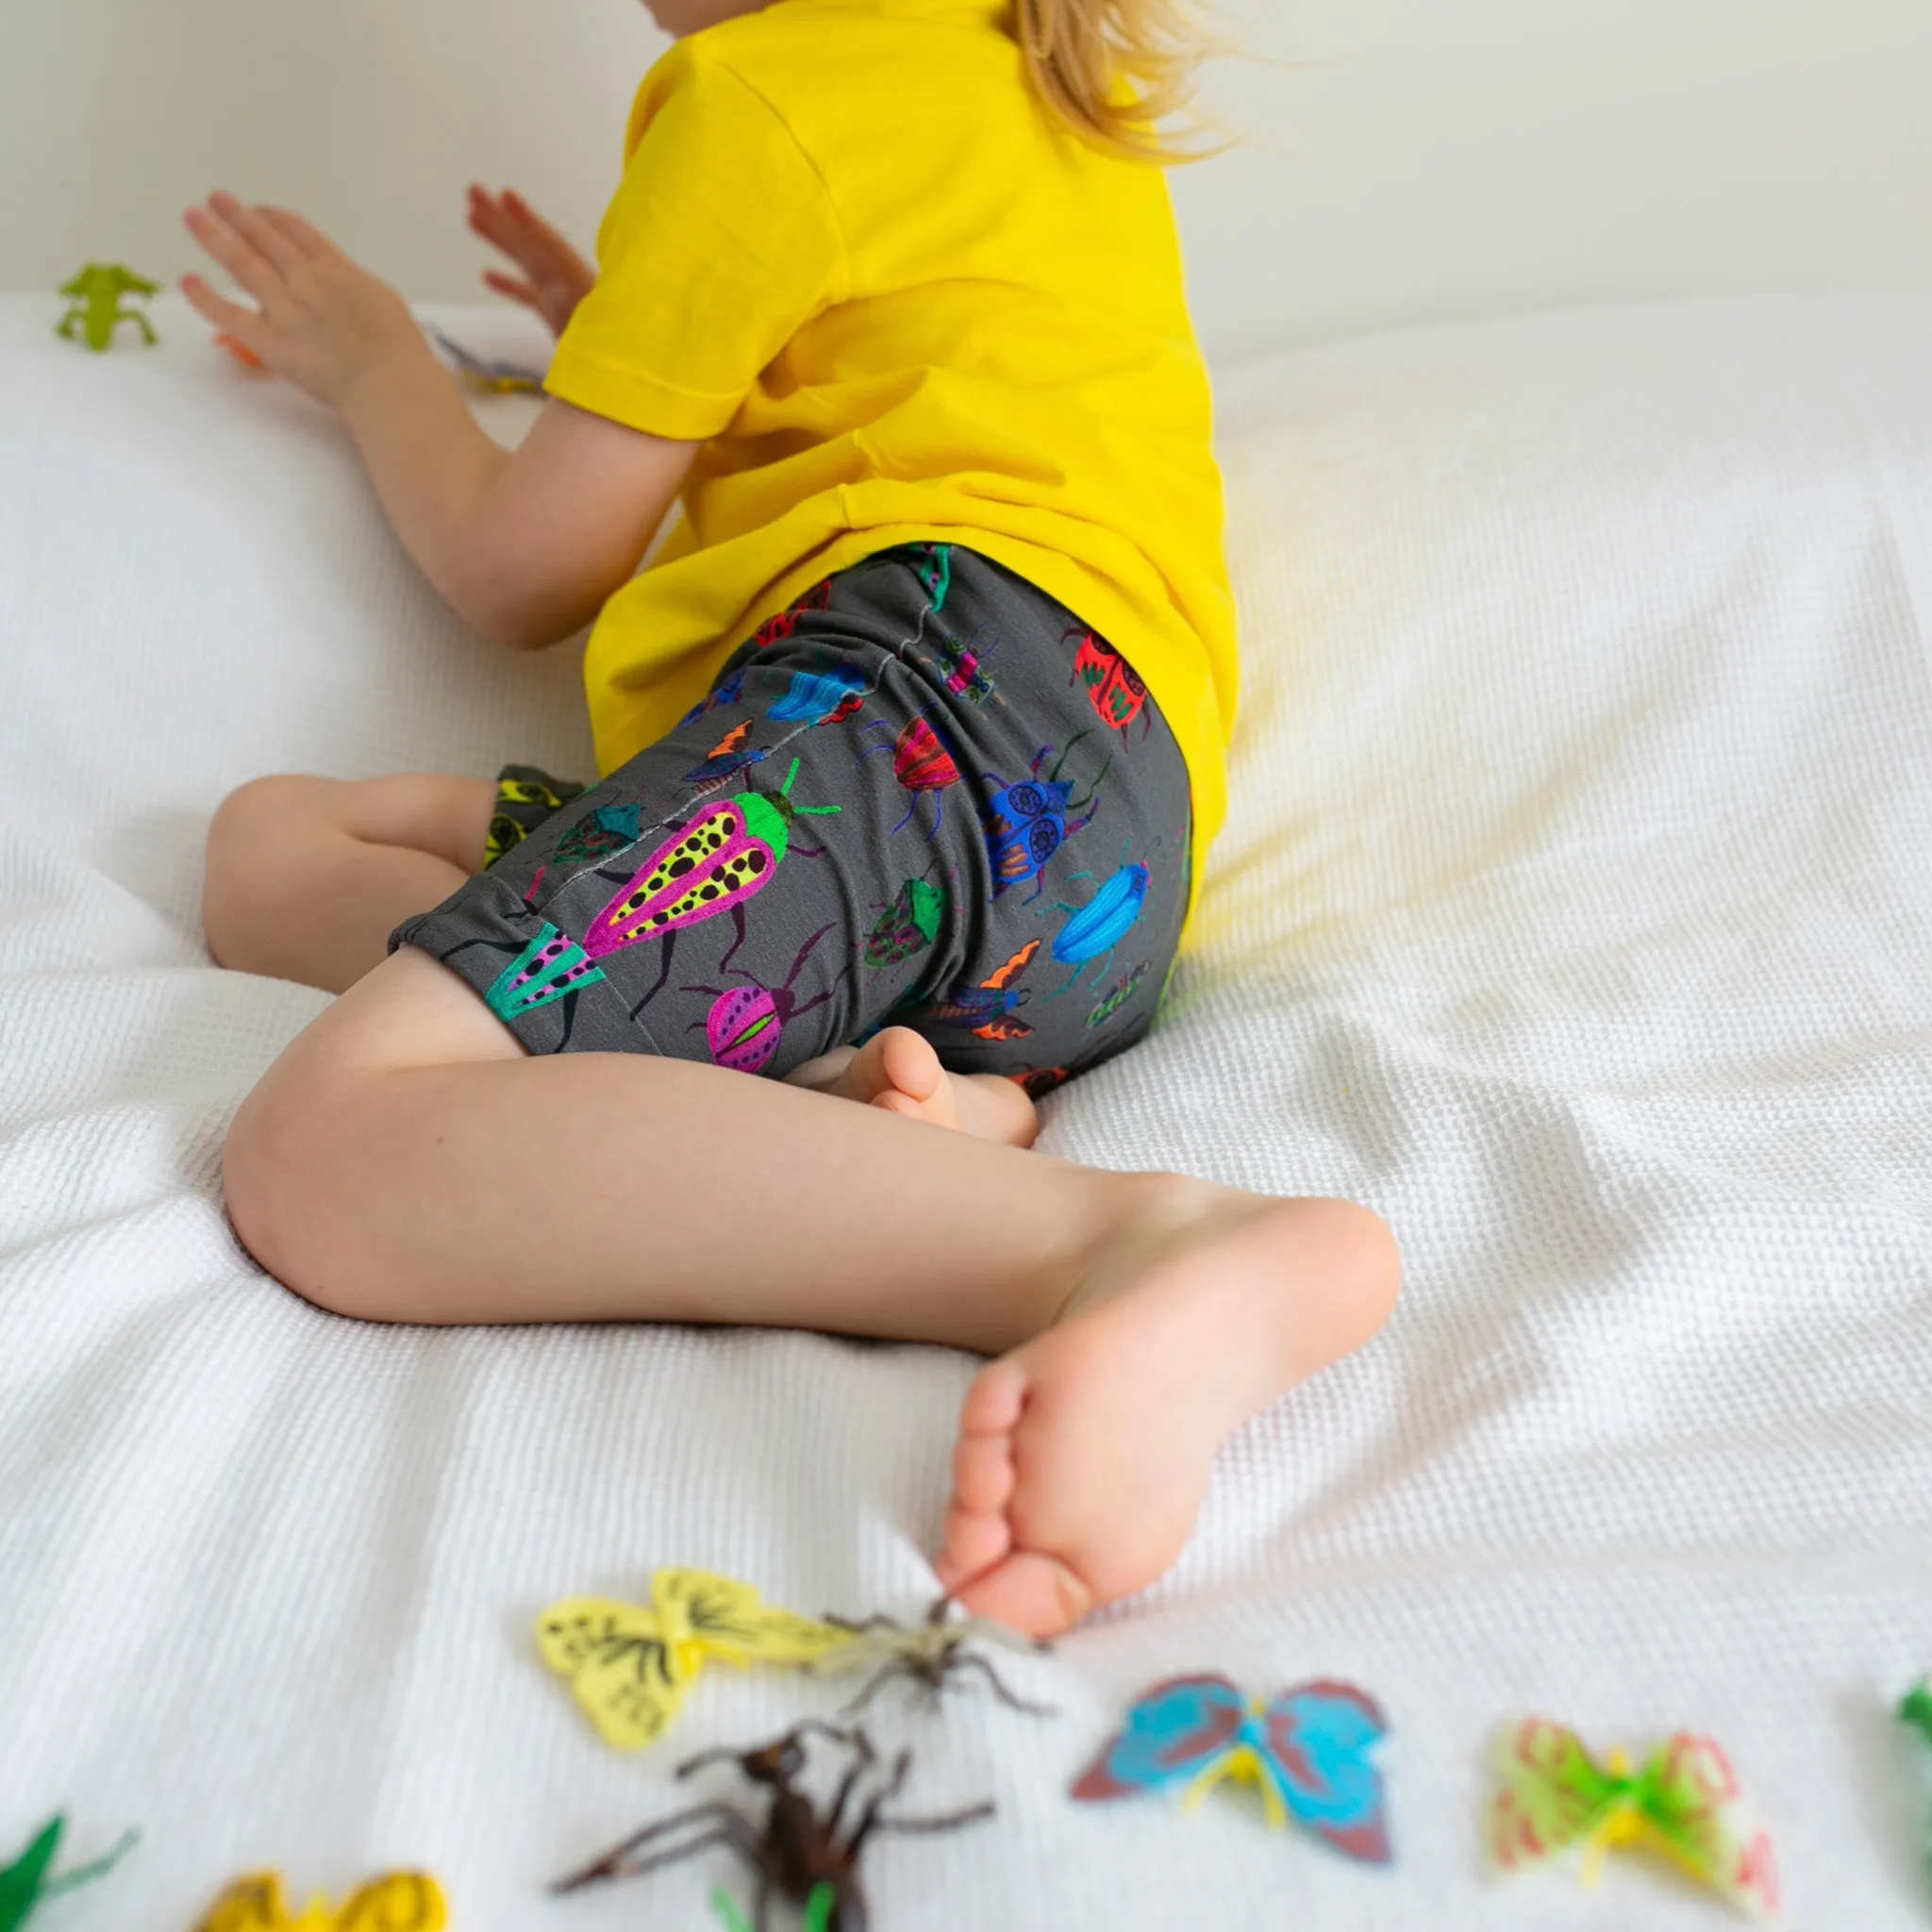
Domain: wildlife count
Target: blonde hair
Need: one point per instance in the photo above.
(1119, 73)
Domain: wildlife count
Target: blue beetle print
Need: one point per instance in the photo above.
(1094, 930)
(1027, 822)
(821, 698)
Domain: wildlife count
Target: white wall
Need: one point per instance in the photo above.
(1424, 158)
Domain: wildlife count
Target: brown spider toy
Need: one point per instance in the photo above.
(795, 1848)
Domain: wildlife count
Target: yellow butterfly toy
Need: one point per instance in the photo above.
(398, 1902)
(631, 1665)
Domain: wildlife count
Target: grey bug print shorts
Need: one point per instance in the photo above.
(926, 795)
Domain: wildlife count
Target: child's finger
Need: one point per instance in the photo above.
(233, 254)
(488, 216)
(244, 324)
(261, 234)
(537, 230)
(302, 234)
(505, 240)
(512, 286)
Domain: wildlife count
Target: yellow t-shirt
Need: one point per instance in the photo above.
(897, 300)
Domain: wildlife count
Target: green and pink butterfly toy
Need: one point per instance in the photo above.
(1556, 1801)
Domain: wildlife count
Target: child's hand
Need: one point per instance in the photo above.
(555, 277)
(323, 322)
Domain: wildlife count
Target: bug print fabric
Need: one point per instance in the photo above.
(926, 795)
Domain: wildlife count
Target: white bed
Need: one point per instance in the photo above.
(1574, 911)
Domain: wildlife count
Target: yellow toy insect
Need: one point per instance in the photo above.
(631, 1665)
(397, 1902)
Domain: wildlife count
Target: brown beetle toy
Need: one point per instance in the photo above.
(796, 1847)
(934, 1656)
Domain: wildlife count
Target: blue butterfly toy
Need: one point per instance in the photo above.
(1308, 1749)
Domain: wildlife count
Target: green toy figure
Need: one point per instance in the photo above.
(1915, 1708)
(95, 304)
(818, 1910)
(1915, 1711)
(25, 1883)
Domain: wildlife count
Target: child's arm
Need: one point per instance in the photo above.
(526, 546)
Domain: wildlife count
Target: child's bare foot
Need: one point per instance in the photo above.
(897, 1070)
(1084, 1455)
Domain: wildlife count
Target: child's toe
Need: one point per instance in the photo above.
(976, 1540)
(983, 1474)
(1030, 1591)
(911, 1063)
(995, 1399)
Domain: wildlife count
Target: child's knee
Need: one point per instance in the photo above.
(323, 1168)
(302, 1176)
(263, 806)
(283, 1191)
(249, 835)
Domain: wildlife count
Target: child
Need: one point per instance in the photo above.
(890, 296)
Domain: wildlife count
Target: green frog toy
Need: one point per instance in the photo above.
(96, 296)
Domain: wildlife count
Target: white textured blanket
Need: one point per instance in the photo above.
(1575, 912)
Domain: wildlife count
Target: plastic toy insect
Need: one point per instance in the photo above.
(726, 757)
(907, 926)
(236, 347)
(1685, 1800)
(1113, 686)
(1094, 930)
(920, 763)
(794, 1848)
(745, 1022)
(1027, 822)
(398, 1902)
(1915, 1708)
(815, 1918)
(776, 629)
(717, 862)
(25, 1883)
(933, 1656)
(728, 692)
(821, 698)
(986, 1010)
(1308, 1749)
(525, 798)
(631, 1665)
(493, 379)
(94, 297)
(1117, 996)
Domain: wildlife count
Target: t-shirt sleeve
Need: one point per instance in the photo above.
(719, 242)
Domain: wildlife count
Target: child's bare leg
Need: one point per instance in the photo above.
(1140, 1318)
(898, 1070)
(308, 877)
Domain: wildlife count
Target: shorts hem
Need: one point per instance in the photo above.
(478, 932)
